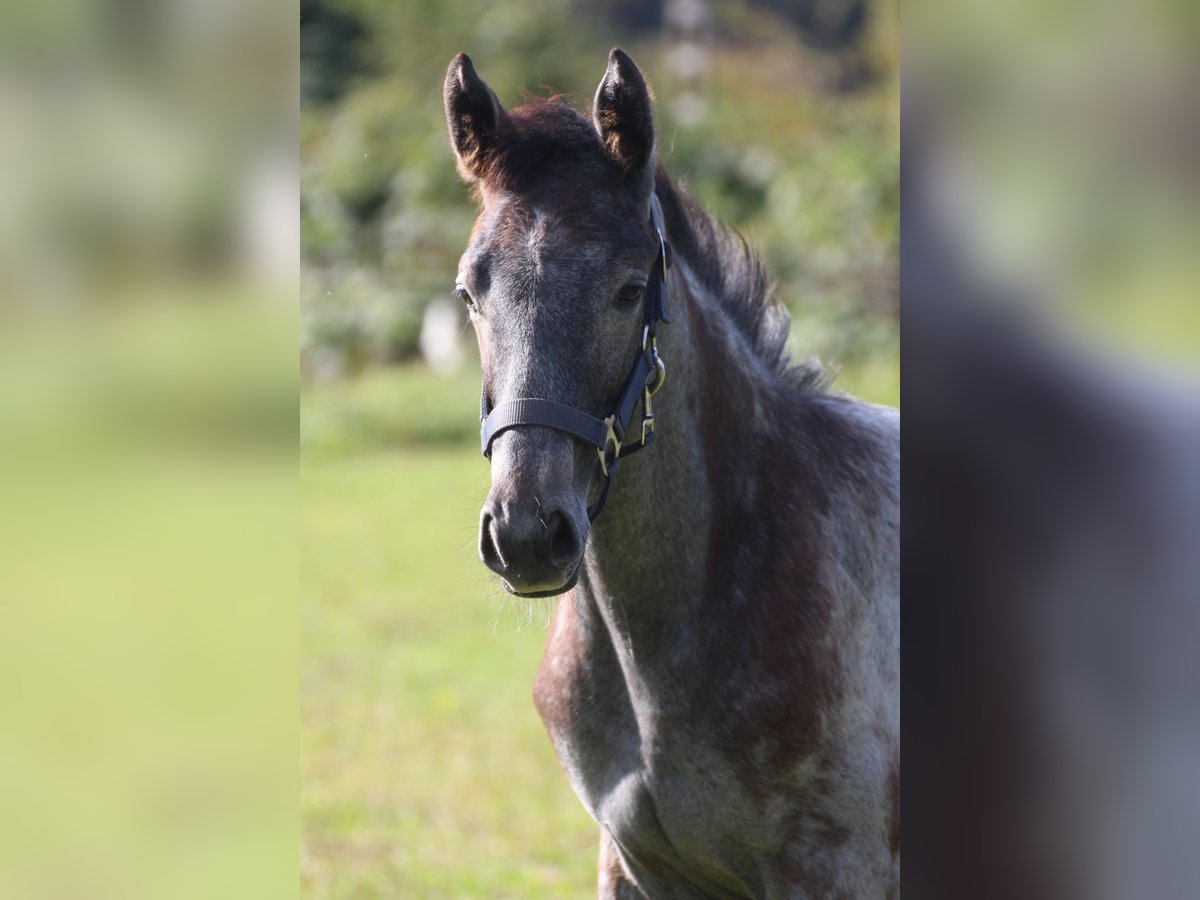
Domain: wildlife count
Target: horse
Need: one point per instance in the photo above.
(721, 675)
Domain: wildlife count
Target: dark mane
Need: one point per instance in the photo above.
(725, 263)
(548, 133)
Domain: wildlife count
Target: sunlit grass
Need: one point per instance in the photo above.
(425, 771)
(390, 407)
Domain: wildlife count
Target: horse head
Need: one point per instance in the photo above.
(558, 280)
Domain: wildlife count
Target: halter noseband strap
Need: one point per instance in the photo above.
(607, 435)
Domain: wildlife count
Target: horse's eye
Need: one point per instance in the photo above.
(465, 296)
(630, 294)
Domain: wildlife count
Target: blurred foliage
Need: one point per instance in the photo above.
(808, 171)
(330, 57)
(148, 384)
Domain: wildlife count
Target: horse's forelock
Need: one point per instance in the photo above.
(548, 135)
(543, 135)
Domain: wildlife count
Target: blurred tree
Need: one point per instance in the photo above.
(828, 24)
(809, 174)
(331, 58)
(635, 16)
(831, 25)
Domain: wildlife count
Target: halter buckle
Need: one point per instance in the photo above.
(650, 342)
(610, 440)
(660, 376)
(651, 388)
(647, 414)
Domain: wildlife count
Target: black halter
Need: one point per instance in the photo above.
(608, 435)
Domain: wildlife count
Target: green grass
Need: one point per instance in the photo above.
(391, 407)
(425, 771)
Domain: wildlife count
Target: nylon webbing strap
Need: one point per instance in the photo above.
(532, 411)
(559, 416)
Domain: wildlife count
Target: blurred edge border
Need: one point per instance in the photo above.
(1048, 288)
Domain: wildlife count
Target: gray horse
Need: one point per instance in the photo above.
(721, 679)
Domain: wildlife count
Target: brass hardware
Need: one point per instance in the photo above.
(651, 341)
(651, 387)
(647, 413)
(647, 427)
(610, 439)
(660, 369)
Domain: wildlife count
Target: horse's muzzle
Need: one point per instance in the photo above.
(537, 552)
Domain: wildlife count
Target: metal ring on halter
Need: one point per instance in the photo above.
(660, 367)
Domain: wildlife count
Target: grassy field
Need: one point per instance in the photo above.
(425, 771)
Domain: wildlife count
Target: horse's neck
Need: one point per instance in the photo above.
(648, 552)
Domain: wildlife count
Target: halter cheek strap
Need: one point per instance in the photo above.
(610, 436)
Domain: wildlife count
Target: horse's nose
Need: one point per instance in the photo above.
(534, 552)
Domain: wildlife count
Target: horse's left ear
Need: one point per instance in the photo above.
(624, 116)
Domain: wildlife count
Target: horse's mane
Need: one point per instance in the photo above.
(550, 130)
(726, 264)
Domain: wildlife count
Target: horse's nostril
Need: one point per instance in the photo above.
(489, 550)
(564, 541)
(531, 552)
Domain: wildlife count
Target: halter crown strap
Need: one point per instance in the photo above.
(606, 435)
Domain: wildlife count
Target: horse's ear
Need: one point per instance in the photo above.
(473, 116)
(624, 115)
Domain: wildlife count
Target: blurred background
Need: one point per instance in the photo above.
(155, 554)
(1051, 539)
(148, 275)
(425, 769)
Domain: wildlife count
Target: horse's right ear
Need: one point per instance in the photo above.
(473, 116)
